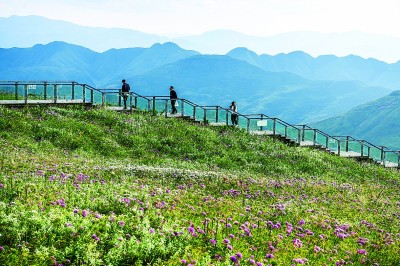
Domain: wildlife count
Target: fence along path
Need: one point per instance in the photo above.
(23, 93)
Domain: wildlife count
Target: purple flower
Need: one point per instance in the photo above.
(233, 259)
(269, 256)
(95, 237)
(183, 261)
(317, 249)
(121, 223)
(98, 216)
(297, 243)
(362, 251)
(1, 185)
(152, 231)
(302, 222)
(259, 263)
(191, 230)
(239, 255)
(76, 210)
(226, 241)
(213, 242)
(84, 213)
(300, 261)
(1, 248)
(229, 247)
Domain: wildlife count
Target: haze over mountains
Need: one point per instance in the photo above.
(295, 87)
(26, 31)
(205, 79)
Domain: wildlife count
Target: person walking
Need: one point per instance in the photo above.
(173, 97)
(125, 91)
(234, 115)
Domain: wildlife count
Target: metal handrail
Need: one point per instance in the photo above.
(151, 100)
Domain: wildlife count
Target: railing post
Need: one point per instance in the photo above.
(382, 155)
(26, 93)
(248, 124)
(274, 127)
(166, 108)
(103, 99)
(136, 99)
(303, 133)
(45, 90)
(194, 112)
(347, 143)
(182, 108)
(216, 115)
(84, 93)
(227, 117)
(205, 116)
(119, 98)
(286, 128)
(315, 137)
(73, 91)
(298, 136)
(16, 90)
(55, 93)
(327, 142)
(92, 96)
(130, 100)
(362, 148)
(154, 105)
(339, 147)
(262, 118)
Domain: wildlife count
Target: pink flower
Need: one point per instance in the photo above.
(362, 251)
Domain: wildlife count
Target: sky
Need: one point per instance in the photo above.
(174, 18)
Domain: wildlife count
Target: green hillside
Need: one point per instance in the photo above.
(376, 121)
(98, 187)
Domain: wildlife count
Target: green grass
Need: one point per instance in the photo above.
(156, 191)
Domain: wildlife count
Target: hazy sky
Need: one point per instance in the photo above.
(253, 17)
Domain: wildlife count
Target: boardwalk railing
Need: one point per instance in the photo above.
(70, 91)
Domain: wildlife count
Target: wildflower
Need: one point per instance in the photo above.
(226, 241)
(152, 231)
(239, 255)
(84, 213)
(213, 242)
(233, 259)
(98, 216)
(317, 249)
(183, 261)
(300, 261)
(231, 236)
(229, 247)
(362, 251)
(121, 223)
(297, 243)
(259, 263)
(95, 237)
(302, 222)
(76, 211)
(269, 256)
(1, 248)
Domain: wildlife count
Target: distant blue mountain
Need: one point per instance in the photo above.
(376, 121)
(206, 79)
(26, 31)
(327, 67)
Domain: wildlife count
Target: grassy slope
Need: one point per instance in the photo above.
(99, 160)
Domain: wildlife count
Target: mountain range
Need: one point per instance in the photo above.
(26, 31)
(205, 79)
(376, 121)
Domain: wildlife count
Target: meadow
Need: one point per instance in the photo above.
(97, 187)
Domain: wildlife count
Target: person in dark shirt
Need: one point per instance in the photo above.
(173, 96)
(234, 115)
(125, 91)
